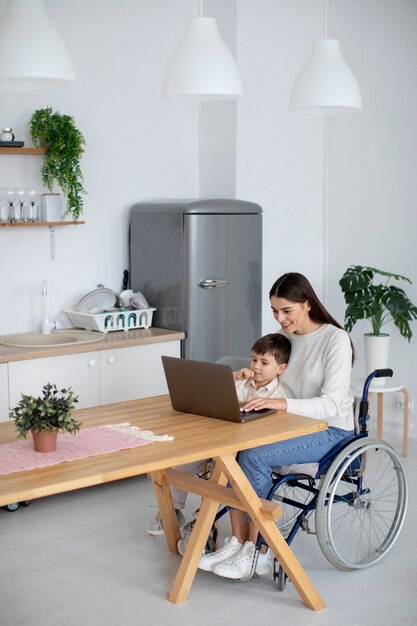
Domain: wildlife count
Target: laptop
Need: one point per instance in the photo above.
(205, 389)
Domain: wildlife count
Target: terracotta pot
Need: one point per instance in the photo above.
(44, 441)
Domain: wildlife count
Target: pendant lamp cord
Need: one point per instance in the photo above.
(325, 209)
(325, 21)
(201, 8)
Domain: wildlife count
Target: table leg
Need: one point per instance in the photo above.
(190, 560)
(270, 532)
(379, 428)
(405, 432)
(166, 509)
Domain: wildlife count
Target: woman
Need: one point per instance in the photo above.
(317, 385)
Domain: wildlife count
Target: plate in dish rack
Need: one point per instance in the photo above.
(102, 298)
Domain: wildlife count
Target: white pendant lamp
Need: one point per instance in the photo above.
(32, 52)
(202, 67)
(326, 84)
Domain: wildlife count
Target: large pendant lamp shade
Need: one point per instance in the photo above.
(32, 52)
(326, 84)
(202, 67)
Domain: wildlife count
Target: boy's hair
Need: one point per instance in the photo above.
(276, 344)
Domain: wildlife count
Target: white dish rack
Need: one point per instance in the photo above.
(112, 320)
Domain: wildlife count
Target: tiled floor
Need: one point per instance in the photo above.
(84, 559)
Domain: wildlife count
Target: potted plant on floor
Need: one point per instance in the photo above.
(64, 145)
(378, 302)
(45, 415)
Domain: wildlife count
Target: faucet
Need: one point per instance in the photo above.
(46, 324)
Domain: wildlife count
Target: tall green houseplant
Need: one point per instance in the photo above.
(64, 144)
(377, 302)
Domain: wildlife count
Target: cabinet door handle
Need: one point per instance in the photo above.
(110, 359)
(92, 362)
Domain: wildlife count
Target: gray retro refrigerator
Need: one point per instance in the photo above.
(200, 264)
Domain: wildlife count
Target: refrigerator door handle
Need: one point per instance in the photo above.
(210, 283)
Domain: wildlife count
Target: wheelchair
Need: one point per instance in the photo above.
(358, 493)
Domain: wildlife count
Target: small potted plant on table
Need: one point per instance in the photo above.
(45, 415)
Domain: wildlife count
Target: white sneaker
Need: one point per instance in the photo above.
(239, 566)
(208, 561)
(156, 527)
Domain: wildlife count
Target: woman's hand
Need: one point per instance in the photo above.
(280, 404)
(243, 374)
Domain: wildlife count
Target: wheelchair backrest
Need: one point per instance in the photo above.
(235, 362)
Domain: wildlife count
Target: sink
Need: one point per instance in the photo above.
(56, 338)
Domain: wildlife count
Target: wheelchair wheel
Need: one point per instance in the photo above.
(361, 505)
(12, 507)
(291, 491)
(281, 579)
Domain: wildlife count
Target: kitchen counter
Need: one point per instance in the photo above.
(112, 340)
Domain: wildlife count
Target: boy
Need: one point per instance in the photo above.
(270, 355)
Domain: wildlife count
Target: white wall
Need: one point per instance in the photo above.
(372, 205)
(217, 120)
(280, 155)
(372, 155)
(138, 147)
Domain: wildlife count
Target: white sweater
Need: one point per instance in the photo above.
(319, 372)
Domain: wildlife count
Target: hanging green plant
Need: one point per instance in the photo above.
(64, 144)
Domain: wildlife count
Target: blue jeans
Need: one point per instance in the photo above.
(257, 463)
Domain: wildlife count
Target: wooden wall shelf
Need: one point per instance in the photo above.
(30, 224)
(22, 150)
(51, 226)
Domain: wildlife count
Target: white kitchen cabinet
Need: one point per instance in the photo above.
(80, 371)
(136, 372)
(99, 377)
(4, 393)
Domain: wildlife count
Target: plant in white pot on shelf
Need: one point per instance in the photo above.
(64, 144)
(44, 415)
(378, 302)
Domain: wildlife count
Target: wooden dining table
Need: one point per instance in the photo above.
(195, 437)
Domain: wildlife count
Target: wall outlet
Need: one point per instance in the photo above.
(400, 404)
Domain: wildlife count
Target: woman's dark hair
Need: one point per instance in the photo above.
(296, 288)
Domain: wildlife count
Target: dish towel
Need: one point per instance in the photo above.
(20, 455)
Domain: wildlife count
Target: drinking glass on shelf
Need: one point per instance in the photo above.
(4, 213)
(33, 204)
(21, 199)
(4, 208)
(14, 207)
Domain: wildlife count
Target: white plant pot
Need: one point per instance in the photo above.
(376, 355)
(51, 207)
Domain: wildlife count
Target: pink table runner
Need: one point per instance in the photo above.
(20, 455)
